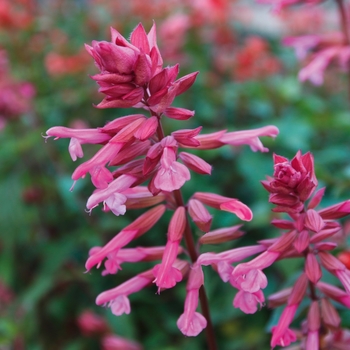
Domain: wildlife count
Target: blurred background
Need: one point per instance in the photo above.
(247, 79)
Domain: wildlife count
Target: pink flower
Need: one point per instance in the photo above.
(247, 301)
(171, 174)
(225, 203)
(117, 298)
(250, 137)
(293, 182)
(166, 276)
(141, 225)
(281, 334)
(112, 196)
(114, 342)
(191, 323)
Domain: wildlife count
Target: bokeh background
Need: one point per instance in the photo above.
(247, 79)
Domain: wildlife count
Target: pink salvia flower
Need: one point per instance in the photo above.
(166, 276)
(114, 342)
(117, 298)
(199, 214)
(171, 174)
(334, 293)
(112, 196)
(191, 323)
(141, 225)
(249, 137)
(313, 325)
(248, 302)
(225, 203)
(281, 334)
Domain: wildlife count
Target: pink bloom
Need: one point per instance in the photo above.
(191, 323)
(247, 302)
(117, 258)
(117, 298)
(281, 334)
(112, 196)
(78, 137)
(141, 225)
(166, 276)
(171, 174)
(92, 324)
(250, 137)
(224, 203)
(114, 342)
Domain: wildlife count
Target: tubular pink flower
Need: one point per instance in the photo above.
(99, 160)
(141, 225)
(112, 195)
(116, 259)
(281, 334)
(224, 259)
(78, 137)
(191, 323)
(250, 137)
(314, 71)
(225, 203)
(166, 276)
(117, 298)
(330, 315)
(171, 174)
(210, 141)
(259, 263)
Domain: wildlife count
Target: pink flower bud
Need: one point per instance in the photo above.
(279, 298)
(298, 291)
(178, 113)
(334, 293)
(147, 129)
(187, 137)
(312, 268)
(222, 235)
(302, 241)
(199, 214)
(177, 224)
(313, 221)
(330, 315)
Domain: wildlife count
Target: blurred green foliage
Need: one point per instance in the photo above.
(45, 234)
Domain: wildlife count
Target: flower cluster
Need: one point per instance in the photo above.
(15, 96)
(309, 236)
(319, 51)
(135, 152)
